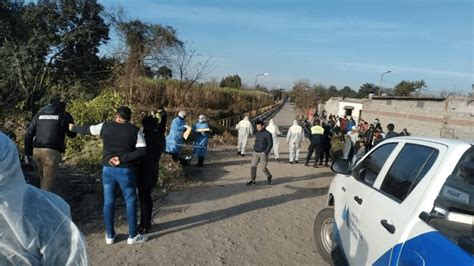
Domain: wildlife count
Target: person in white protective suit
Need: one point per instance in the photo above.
(245, 129)
(273, 128)
(294, 138)
(35, 225)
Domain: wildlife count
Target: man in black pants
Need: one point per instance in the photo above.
(154, 130)
(326, 145)
(317, 133)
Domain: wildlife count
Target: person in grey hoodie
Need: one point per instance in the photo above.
(263, 146)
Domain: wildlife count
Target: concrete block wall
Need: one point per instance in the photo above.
(451, 118)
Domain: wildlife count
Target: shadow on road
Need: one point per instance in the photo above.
(219, 215)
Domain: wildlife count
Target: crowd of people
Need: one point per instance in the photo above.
(357, 137)
(130, 163)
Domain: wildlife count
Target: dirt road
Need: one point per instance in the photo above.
(219, 220)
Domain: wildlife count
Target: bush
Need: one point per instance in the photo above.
(99, 109)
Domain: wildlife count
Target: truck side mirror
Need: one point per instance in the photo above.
(342, 166)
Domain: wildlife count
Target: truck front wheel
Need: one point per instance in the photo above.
(323, 235)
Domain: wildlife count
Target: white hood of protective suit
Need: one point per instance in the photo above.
(295, 128)
(272, 128)
(35, 226)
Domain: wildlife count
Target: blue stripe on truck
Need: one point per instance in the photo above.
(431, 248)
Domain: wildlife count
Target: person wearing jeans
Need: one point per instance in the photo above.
(123, 145)
(126, 180)
(263, 146)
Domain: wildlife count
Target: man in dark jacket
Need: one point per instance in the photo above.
(391, 133)
(154, 126)
(44, 140)
(317, 134)
(123, 145)
(326, 145)
(263, 146)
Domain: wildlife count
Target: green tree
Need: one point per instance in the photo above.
(406, 88)
(366, 89)
(332, 91)
(233, 81)
(49, 44)
(347, 92)
(164, 72)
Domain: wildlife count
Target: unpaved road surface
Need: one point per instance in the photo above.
(218, 220)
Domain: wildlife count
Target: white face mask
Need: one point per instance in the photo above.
(202, 120)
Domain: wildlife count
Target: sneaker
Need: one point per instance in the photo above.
(292, 162)
(239, 153)
(251, 182)
(297, 162)
(110, 240)
(315, 166)
(278, 160)
(137, 239)
(269, 180)
(243, 155)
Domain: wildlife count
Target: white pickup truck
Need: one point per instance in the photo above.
(409, 201)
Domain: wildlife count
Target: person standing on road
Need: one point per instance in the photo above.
(123, 145)
(35, 225)
(391, 133)
(154, 126)
(348, 150)
(44, 140)
(404, 132)
(201, 129)
(263, 146)
(317, 133)
(326, 145)
(294, 138)
(174, 140)
(245, 130)
(275, 131)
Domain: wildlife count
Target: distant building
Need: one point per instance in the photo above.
(451, 117)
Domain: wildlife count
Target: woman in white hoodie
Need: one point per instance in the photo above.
(273, 128)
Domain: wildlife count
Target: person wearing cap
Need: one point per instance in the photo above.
(154, 126)
(201, 129)
(123, 146)
(174, 140)
(317, 134)
(44, 141)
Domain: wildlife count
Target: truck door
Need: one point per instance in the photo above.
(389, 210)
(357, 189)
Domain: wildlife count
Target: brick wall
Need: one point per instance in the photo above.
(450, 118)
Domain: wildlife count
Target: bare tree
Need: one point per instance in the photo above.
(188, 68)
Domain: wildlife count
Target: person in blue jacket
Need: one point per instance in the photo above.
(201, 129)
(174, 140)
